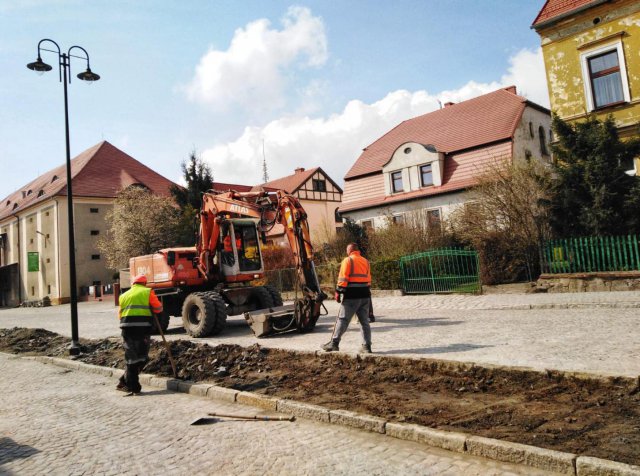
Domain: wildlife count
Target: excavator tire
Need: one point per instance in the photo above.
(262, 298)
(163, 319)
(276, 297)
(203, 314)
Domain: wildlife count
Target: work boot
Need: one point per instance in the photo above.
(122, 388)
(365, 349)
(372, 318)
(330, 346)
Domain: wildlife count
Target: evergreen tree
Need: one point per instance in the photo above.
(592, 194)
(198, 177)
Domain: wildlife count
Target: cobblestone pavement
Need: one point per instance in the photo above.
(57, 421)
(586, 332)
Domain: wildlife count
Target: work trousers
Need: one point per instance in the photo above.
(349, 307)
(137, 341)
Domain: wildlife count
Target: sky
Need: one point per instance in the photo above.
(240, 82)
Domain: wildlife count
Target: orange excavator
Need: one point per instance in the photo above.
(206, 283)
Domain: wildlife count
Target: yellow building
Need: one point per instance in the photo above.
(591, 51)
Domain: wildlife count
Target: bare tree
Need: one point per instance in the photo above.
(139, 223)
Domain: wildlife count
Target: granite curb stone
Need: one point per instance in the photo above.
(508, 452)
(257, 400)
(357, 420)
(304, 410)
(589, 466)
(448, 440)
(505, 451)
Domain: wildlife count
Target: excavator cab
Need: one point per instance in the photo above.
(240, 256)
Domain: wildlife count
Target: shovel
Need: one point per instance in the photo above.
(166, 345)
(207, 420)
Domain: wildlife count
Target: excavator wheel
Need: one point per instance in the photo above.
(276, 297)
(163, 319)
(203, 314)
(262, 298)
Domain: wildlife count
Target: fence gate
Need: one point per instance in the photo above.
(441, 271)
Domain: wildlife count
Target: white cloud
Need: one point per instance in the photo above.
(252, 71)
(335, 142)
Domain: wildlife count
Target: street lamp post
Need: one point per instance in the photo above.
(64, 73)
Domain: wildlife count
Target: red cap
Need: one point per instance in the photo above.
(140, 279)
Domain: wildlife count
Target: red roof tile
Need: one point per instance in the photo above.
(225, 187)
(100, 171)
(291, 183)
(555, 8)
(482, 120)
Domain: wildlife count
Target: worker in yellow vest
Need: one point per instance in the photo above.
(354, 290)
(137, 306)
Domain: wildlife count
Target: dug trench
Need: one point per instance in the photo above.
(587, 416)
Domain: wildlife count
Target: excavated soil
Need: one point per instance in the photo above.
(595, 417)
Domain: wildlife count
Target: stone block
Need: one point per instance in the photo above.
(447, 440)
(145, 379)
(356, 420)
(517, 453)
(257, 400)
(304, 410)
(165, 383)
(589, 466)
(96, 369)
(67, 364)
(221, 393)
(193, 388)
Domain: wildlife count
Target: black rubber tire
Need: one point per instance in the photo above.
(163, 319)
(276, 297)
(203, 314)
(261, 298)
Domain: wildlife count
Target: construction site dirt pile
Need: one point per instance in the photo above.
(586, 416)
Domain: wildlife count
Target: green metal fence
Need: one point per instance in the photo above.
(441, 271)
(590, 254)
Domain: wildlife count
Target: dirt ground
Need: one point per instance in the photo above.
(592, 417)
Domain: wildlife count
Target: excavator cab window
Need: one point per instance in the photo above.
(249, 251)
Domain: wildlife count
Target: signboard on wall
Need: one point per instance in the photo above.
(33, 261)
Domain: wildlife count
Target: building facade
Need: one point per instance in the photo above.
(34, 247)
(590, 50)
(422, 168)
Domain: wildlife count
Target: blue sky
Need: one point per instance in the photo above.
(315, 81)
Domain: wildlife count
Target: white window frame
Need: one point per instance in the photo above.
(586, 77)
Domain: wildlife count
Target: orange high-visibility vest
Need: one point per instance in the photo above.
(355, 272)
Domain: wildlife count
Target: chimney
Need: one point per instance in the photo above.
(447, 104)
(511, 89)
(299, 170)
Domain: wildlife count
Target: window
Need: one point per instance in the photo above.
(367, 224)
(543, 141)
(426, 175)
(396, 182)
(398, 219)
(40, 193)
(95, 232)
(95, 257)
(93, 210)
(319, 185)
(433, 218)
(336, 215)
(605, 76)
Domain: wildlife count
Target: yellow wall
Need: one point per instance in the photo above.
(563, 43)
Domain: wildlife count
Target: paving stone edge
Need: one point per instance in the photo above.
(499, 450)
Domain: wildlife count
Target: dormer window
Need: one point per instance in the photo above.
(40, 193)
(15, 205)
(426, 175)
(54, 178)
(396, 182)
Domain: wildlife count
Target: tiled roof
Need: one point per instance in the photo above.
(225, 187)
(100, 171)
(482, 120)
(291, 183)
(556, 8)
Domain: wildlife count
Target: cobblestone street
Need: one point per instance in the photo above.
(587, 332)
(57, 421)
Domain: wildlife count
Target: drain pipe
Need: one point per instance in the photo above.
(19, 260)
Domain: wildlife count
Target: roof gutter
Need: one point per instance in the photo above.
(554, 20)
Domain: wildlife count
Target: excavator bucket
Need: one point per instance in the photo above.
(272, 320)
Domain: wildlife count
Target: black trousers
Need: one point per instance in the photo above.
(137, 341)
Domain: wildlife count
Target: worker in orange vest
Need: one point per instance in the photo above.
(354, 290)
(227, 251)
